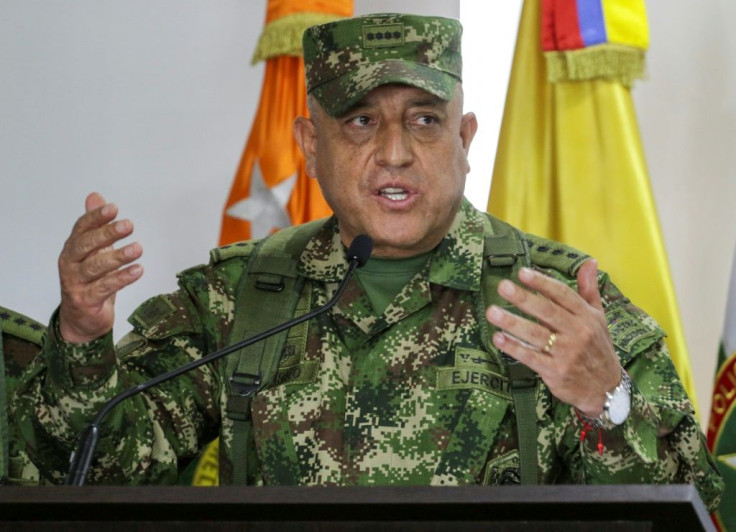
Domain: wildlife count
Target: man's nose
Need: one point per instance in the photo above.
(394, 146)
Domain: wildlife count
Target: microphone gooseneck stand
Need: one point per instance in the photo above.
(81, 459)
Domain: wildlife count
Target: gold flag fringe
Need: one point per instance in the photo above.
(614, 62)
(283, 36)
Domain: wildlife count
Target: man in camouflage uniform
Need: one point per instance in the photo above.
(408, 379)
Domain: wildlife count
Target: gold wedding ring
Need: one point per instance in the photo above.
(550, 342)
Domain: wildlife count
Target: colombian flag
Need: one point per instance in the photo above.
(570, 164)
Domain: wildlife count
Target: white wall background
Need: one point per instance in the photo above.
(150, 103)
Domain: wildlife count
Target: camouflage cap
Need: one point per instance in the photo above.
(347, 58)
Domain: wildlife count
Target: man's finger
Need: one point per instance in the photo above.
(93, 201)
(90, 242)
(112, 283)
(531, 333)
(97, 213)
(100, 264)
(94, 295)
(588, 284)
(524, 353)
(543, 309)
(553, 289)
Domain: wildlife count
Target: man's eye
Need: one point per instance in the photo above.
(427, 120)
(361, 120)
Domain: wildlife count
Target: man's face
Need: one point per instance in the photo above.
(393, 167)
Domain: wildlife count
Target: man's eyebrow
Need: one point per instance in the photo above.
(427, 100)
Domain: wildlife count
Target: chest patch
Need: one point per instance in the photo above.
(473, 369)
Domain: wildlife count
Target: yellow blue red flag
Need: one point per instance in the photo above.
(570, 164)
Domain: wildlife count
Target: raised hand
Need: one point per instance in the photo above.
(92, 271)
(569, 347)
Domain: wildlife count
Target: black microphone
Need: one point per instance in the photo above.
(81, 459)
(360, 250)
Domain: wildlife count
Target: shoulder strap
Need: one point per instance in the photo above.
(505, 252)
(555, 255)
(15, 324)
(267, 296)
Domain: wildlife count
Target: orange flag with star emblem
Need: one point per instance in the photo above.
(271, 189)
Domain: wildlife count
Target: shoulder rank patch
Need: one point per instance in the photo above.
(20, 326)
(628, 331)
(548, 254)
(238, 249)
(152, 311)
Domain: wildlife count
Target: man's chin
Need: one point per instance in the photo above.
(398, 244)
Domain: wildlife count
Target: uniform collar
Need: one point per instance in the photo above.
(455, 263)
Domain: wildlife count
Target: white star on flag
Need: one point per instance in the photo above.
(264, 208)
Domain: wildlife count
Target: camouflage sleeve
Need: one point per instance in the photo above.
(661, 441)
(144, 438)
(46, 409)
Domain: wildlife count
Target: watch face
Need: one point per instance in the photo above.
(619, 405)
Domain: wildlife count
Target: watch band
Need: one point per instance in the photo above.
(604, 420)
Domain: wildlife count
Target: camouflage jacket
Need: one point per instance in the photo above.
(21, 341)
(417, 395)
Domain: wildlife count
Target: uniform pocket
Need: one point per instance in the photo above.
(473, 435)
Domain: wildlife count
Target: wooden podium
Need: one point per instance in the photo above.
(380, 509)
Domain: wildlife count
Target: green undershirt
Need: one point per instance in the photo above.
(383, 279)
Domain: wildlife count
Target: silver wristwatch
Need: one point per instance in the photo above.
(617, 406)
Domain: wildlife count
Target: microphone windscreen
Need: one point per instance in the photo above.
(360, 249)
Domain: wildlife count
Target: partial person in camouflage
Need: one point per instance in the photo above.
(20, 341)
(410, 378)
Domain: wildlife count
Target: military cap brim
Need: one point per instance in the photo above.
(346, 59)
(336, 103)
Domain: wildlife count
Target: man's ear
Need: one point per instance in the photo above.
(305, 135)
(468, 127)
